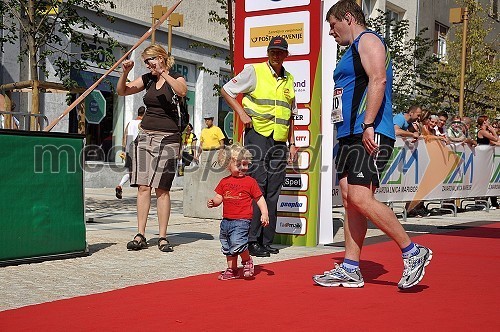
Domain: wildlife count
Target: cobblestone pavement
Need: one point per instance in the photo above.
(111, 223)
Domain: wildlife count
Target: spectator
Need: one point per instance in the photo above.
(211, 138)
(403, 122)
(188, 140)
(157, 146)
(441, 124)
(468, 139)
(129, 136)
(487, 135)
(456, 132)
(429, 123)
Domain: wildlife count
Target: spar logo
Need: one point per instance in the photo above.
(401, 162)
(458, 172)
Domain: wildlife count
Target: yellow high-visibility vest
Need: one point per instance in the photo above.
(270, 104)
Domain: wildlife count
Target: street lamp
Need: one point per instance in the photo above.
(459, 15)
(175, 20)
(156, 14)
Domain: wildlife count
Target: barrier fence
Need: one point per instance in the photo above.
(433, 171)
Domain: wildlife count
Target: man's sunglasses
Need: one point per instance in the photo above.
(146, 61)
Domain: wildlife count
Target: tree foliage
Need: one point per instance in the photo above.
(412, 62)
(215, 17)
(48, 28)
(482, 74)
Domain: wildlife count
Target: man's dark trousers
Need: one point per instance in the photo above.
(268, 168)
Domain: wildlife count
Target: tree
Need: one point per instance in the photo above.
(413, 65)
(47, 28)
(215, 17)
(482, 75)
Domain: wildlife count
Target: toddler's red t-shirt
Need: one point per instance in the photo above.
(237, 194)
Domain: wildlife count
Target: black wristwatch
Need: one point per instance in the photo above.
(365, 126)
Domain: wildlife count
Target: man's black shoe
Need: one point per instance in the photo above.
(255, 249)
(271, 249)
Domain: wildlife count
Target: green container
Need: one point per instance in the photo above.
(42, 212)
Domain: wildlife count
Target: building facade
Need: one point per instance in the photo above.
(132, 20)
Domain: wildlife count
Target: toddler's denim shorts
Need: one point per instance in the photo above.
(234, 236)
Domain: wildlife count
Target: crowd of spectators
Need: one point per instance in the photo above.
(422, 123)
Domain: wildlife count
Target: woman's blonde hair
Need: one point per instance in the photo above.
(236, 152)
(155, 50)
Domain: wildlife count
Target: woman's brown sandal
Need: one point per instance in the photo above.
(166, 246)
(137, 245)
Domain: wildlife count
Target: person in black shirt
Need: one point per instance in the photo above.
(156, 147)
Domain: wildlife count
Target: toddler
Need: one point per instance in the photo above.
(237, 192)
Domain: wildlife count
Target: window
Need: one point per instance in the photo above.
(366, 5)
(494, 9)
(440, 33)
(392, 17)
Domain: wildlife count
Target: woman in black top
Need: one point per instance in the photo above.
(486, 134)
(157, 145)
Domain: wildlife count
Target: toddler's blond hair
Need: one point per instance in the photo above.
(236, 152)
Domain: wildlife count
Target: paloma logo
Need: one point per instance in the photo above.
(291, 204)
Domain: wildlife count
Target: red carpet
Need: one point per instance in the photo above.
(454, 295)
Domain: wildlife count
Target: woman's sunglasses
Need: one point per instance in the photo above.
(146, 61)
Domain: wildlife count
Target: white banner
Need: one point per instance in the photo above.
(434, 171)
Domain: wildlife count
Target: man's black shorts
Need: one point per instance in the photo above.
(354, 162)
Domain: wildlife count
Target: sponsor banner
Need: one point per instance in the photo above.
(303, 161)
(302, 138)
(296, 182)
(433, 171)
(291, 225)
(294, 27)
(303, 117)
(301, 71)
(292, 203)
(255, 5)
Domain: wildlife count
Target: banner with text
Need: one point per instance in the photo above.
(299, 22)
(433, 171)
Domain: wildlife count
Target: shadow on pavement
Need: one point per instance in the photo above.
(93, 248)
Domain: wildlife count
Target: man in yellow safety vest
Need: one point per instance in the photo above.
(266, 112)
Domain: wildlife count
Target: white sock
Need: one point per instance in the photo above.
(124, 179)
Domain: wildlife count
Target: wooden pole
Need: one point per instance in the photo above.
(93, 86)
(153, 20)
(462, 69)
(231, 38)
(35, 102)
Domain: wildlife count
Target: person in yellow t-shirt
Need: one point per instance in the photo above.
(211, 137)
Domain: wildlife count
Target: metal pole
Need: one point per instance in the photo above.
(462, 70)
